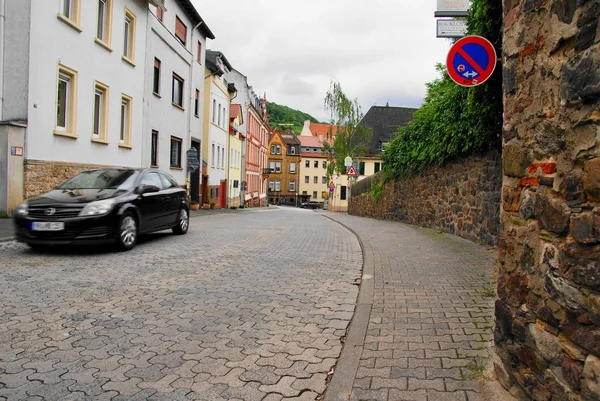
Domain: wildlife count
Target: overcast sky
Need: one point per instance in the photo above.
(379, 50)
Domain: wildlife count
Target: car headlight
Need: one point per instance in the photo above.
(22, 209)
(98, 208)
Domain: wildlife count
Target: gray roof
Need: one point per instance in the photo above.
(385, 121)
(211, 61)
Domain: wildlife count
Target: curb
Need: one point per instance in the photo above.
(7, 239)
(340, 387)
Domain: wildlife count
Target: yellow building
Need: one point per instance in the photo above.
(234, 146)
(284, 166)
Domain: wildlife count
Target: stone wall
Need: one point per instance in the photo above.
(41, 176)
(461, 198)
(548, 313)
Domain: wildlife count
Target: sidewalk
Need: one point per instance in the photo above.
(6, 229)
(422, 328)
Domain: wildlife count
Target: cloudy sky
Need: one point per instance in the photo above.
(381, 51)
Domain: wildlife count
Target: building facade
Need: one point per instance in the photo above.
(255, 130)
(216, 128)
(284, 169)
(236, 143)
(174, 79)
(314, 184)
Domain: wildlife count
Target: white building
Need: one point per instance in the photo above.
(175, 62)
(76, 88)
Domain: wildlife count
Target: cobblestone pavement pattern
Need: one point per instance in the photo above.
(246, 306)
(430, 326)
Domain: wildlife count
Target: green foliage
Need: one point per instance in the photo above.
(279, 114)
(351, 138)
(377, 189)
(453, 121)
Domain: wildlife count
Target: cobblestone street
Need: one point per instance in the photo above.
(247, 306)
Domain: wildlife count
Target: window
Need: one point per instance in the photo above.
(323, 180)
(316, 164)
(275, 166)
(324, 164)
(160, 14)
(175, 152)
(377, 166)
(383, 145)
(314, 195)
(199, 55)
(293, 168)
(152, 179)
(292, 150)
(212, 159)
(156, 80)
(214, 111)
(219, 123)
(100, 119)
(104, 21)
(306, 179)
(361, 168)
(66, 98)
(343, 193)
(272, 149)
(218, 156)
(315, 180)
(129, 37)
(275, 186)
(125, 129)
(177, 97)
(307, 164)
(278, 149)
(180, 30)
(222, 157)
(197, 103)
(154, 149)
(292, 186)
(168, 182)
(304, 193)
(69, 13)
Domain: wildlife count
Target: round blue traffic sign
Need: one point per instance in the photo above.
(471, 61)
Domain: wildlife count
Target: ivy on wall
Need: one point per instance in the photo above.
(453, 121)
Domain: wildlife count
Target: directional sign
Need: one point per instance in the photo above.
(352, 172)
(348, 161)
(192, 160)
(451, 28)
(471, 61)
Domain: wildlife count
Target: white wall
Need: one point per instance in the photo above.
(218, 135)
(160, 114)
(53, 41)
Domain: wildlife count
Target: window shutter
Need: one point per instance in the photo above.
(180, 30)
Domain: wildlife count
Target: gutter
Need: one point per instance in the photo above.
(2, 38)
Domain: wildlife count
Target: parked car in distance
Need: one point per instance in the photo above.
(109, 205)
(311, 205)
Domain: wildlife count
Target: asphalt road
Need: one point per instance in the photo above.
(246, 306)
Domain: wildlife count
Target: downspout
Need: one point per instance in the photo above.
(229, 148)
(188, 174)
(2, 36)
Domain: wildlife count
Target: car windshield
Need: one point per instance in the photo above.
(101, 179)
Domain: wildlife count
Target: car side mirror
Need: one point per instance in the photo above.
(146, 189)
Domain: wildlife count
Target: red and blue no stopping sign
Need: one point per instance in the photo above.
(471, 61)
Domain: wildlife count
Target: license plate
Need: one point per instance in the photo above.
(47, 226)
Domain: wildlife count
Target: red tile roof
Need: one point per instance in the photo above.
(322, 129)
(314, 154)
(236, 110)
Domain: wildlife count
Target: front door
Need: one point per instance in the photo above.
(223, 194)
(195, 177)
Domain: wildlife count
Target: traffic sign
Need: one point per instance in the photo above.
(351, 172)
(471, 61)
(347, 161)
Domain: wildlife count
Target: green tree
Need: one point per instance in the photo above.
(351, 137)
(453, 121)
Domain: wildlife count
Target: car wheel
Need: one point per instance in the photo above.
(127, 232)
(183, 222)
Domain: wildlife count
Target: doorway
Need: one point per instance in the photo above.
(195, 176)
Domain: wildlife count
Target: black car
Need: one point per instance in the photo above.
(310, 205)
(112, 205)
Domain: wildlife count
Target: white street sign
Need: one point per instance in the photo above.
(451, 28)
(452, 5)
(347, 161)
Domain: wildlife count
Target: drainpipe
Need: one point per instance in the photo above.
(2, 38)
(189, 120)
